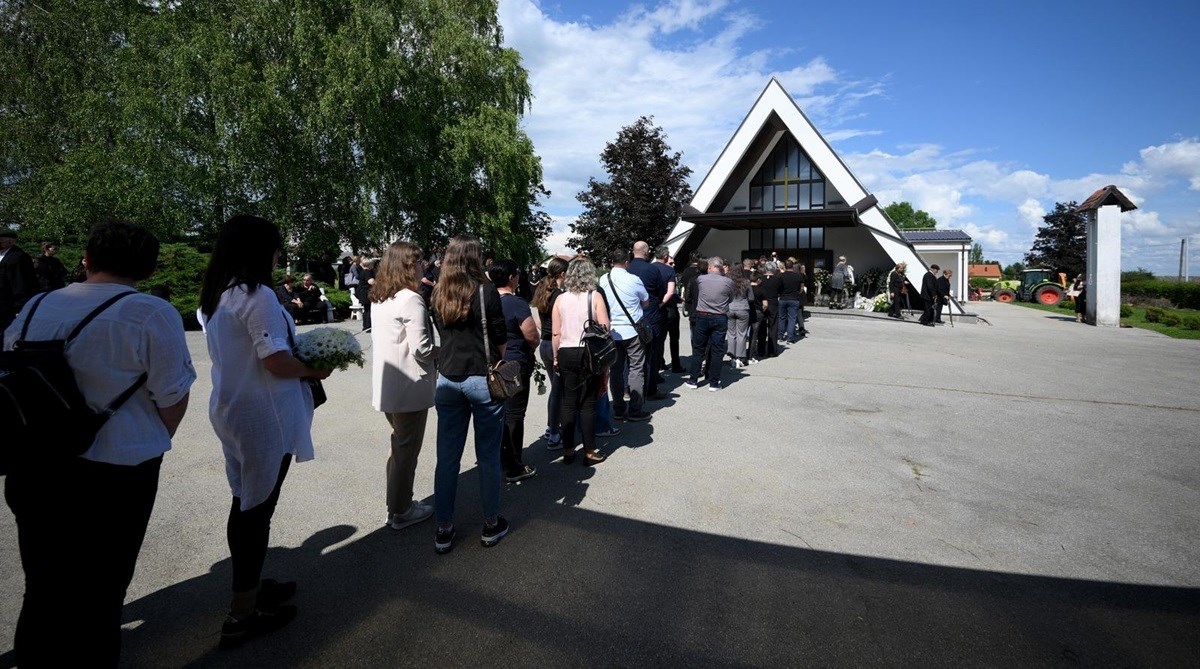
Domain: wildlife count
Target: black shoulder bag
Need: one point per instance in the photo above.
(504, 377)
(315, 385)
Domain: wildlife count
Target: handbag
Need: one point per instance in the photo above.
(314, 385)
(600, 351)
(644, 333)
(504, 376)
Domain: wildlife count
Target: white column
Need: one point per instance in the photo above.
(1104, 267)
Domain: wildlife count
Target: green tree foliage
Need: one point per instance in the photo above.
(643, 197)
(1013, 271)
(907, 218)
(1061, 243)
(351, 121)
(1139, 274)
(976, 255)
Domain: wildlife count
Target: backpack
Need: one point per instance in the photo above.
(599, 349)
(44, 414)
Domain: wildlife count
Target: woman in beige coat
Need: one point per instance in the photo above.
(402, 373)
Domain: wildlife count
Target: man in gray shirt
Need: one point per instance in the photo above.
(714, 292)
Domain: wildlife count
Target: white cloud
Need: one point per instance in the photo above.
(591, 80)
(695, 67)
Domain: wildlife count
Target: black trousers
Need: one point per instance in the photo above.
(671, 317)
(767, 347)
(513, 440)
(580, 388)
(80, 527)
(249, 532)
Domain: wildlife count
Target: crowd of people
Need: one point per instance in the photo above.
(437, 333)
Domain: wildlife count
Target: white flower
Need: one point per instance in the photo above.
(328, 348)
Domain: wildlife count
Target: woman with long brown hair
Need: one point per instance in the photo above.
(549, 288)
(468, 315)
(402, 373)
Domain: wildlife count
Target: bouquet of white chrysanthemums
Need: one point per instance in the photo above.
(328, 348)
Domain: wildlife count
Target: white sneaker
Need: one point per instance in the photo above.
(753, 361)
(714, 389)
(690, 386)
(416, 513)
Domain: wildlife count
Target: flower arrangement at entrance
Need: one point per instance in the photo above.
(328, 349)
(881, 303)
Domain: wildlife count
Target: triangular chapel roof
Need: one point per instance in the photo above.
(775, 107)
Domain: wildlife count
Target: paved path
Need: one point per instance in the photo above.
(1025, 493)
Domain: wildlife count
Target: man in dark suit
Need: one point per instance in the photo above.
(943, 285)
(929, 294)
(18, 280)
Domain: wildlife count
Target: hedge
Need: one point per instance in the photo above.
(1182, 295)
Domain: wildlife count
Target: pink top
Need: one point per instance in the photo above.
(573, 315)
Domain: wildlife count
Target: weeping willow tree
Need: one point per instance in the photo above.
(345, 121)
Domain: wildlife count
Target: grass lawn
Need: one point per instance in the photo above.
(1137, 320)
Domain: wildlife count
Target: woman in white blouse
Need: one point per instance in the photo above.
(261, 409)
(403, 377)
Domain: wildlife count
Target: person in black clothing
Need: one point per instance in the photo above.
(943, 286)
(768, 292)
(289, 297)
(929, 294)
(896, 289)
(18, 280)
(366, 278)
(51, 272)
(311, 307)
(432, 270)
(791, 288)
(523, 339)
(656, 286)
(801, 330)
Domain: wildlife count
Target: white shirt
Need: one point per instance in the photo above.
(258, 416)
(141, 333)
(403, 377)
(631, 292)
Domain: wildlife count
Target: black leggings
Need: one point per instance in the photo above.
(513, 441)
(249, 532)
(579, 391)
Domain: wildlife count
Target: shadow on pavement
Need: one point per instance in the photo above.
(575, 587)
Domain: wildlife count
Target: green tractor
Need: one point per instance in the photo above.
(1037, 285)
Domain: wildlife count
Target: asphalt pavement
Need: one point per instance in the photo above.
(1020, 493)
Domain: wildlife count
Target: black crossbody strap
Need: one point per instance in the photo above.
(487, 342)
(29, 317)
(90, 317)
(618, 299)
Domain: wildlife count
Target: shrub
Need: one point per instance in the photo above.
(1171, 319)
(340, 299)
(181, 273)
(1154, 314)
(980, 282)
(1182, 295)
(1126, 310)
(1066, 303)
(1191, 322)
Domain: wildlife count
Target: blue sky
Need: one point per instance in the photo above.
(983, 114)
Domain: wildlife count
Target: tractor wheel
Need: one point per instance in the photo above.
(1005, 296)
(1048, 295)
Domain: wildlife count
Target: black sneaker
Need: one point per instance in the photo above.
(493, 534)
(526, 471)
(443, 541)
(272, 593)
(236, 632)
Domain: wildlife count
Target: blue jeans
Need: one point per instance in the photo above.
(555, 400)
(457, 399)
(786, 323)
(709, 332)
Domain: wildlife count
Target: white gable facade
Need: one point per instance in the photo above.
(779, 187)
